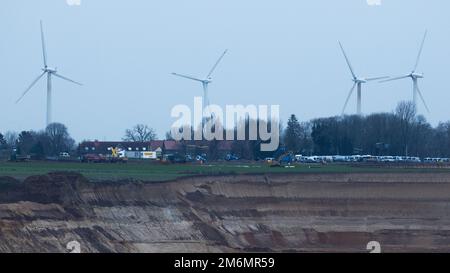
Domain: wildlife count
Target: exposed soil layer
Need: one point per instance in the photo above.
(299, 212)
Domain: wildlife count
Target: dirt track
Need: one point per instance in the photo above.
(319, 213)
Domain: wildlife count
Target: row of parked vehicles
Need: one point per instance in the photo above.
(368, 158)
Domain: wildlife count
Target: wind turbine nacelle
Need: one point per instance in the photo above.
(360, 81)
(49, 69)
(209, 80)
(417, 75)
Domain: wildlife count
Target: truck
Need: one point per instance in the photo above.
(283, 160)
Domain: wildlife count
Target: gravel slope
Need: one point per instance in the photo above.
(313, 212)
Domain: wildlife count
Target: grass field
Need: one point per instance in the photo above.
(157, 172)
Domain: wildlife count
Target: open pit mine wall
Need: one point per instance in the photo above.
(313, 212)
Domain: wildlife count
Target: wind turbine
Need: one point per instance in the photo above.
(50, 72)
(357, 82)
(206, 81)
(415, 77)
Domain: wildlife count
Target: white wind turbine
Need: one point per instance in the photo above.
(206, 81)
(357, 81)
(50, 72)
(415, 77)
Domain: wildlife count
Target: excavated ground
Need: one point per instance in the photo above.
(282, 213)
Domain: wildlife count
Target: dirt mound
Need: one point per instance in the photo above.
(7, 183)
(7, 180)
(59, 187)
(297, 212)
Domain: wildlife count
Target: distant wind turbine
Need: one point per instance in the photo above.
(357, 82)
(415, 76)
(50, 72)
(206, 81)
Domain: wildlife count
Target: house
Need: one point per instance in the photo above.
(132, 150)
(212, 149)
(224, 148)
(173, 147)
(157, 148)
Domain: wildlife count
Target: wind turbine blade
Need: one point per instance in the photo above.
(30, 86)
(423, 100)
(187, 77)
(348, 61)
(217, 63)
(396, 78)
(67, 79)
(377, 78)
(420, 51)
(348, 98)
(44, 50)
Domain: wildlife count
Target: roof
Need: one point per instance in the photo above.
(173, 145)
(104, 146)
(155, 144)
(168, 145)
(225, 145)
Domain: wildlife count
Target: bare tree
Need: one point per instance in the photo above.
(140, 133)
(59, 139)
(406, 113)
(169, 136)
(11, 138)
(2, 141)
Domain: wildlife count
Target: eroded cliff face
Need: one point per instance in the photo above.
(320, 213)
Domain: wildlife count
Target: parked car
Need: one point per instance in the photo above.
(200, 158)
(64, 155)
(387, 159)
(231, 157)
(93, 158)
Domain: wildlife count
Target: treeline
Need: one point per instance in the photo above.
(55, 139)
(41, 144)
(402, 133)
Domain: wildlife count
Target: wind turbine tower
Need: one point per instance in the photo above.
(49, 71)
(205, 81)
(357, 82)
(415, 77)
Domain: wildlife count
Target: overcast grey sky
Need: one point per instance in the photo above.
(280, 52)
